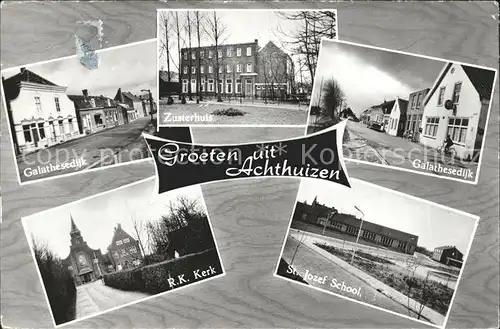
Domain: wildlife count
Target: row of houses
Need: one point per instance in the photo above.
(42, 114)
(456, 106)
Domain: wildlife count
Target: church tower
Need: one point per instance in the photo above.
(76, 236)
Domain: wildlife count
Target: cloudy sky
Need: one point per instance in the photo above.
(131, 68)
(96, 217)
(399, 212)
(368, 76)
(242, 27)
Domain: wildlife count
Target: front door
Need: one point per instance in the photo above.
(248, 87)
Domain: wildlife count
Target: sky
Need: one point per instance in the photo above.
(242, 27)
(369, 76)
(435, 225)
(131, 68)
(96, 217)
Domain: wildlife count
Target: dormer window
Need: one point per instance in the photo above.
(92, 102)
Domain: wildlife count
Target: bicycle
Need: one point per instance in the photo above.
(451, 152)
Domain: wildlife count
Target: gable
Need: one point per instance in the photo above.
(481, 79)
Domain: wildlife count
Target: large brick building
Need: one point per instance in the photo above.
(241, 69)
(124, 251)
(371, 233)
(448, 255)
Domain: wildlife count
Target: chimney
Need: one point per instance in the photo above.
(85, 92)
(256, 40)
(23, 69)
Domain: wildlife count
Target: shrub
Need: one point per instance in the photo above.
(231, 112)
(153, 278)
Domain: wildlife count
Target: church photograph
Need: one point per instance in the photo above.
(121, 247)
(388, 251)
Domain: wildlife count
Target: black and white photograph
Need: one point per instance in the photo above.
(393, 252)
(406, 111)
(65, 117)
(121, 247)
(238, 67)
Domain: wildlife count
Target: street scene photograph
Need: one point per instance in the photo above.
(66, 118)
(221, 68)
(395, 252)
(121, 247)
(405, 111)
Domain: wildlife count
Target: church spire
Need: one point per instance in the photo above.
(74, 229)
(315, 201)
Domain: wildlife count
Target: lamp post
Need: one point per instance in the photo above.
(359, 232)
(150, 102)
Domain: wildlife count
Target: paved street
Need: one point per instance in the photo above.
(98, 149)
(96, 297)
(255, 114)
(378, 147)
(306, 258)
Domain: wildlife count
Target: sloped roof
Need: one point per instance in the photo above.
(83, 102)
(119, 234)
(403, 105)
(482, 80)
(29, 76)
(386, 106)
(131, 96)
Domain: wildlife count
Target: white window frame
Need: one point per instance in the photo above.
(202, 54)
(38, 104)
(58, 105)
(185, 55)
(249, 68)
(229, 86)
(455, 97)
(249, 51)
(219, 54)
(202, 85)
(458, 127)
(185, 70)
(193, 85)
(229, 52)
(238, 52)
(229, 68)
(126, 240)
(210, 69)
(220, 69)
(431, 127)
(193, 55)
(119, 242)
(239, 67)
(210, 54)
(193, 69)
(202, 69)
(92, 102)
(238, 86)
(185, 85)
(440, 99)
(210, 86)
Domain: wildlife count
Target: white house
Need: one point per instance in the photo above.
(397, 118)
(40, 112)
(457, 105)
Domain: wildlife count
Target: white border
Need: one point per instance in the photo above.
(4, 100)
(23, 220)
(243, 125)
(426, 173)
(411, 197)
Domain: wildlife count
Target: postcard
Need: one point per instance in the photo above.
(393, 252)
(404, 111)
(221, 68)
(121, 247)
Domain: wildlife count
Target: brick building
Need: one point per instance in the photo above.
(236, 70)
(448, 255)
(86, 264)
(124, 251)
(371, 233)
(415, 112)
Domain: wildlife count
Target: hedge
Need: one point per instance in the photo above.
(153, 278)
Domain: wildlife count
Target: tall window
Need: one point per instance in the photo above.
(220, 69)
(441, 96)
(92, 102)
(184, 86)
(249, 51)
(41, 131)
(249, 67)
(58, 107)
(185, 70)
(229, 69)
(457, 129)
(202, 54)
(238, 52)
(202, 85)
(210, 69)
(193, 55)
(210, 54)
(193, 69)
(70, 124)
(220, 87)
(413, 101)
(27, 133)
(229, 52)
(193, 85)
(185, 55)
(456, 92)
(38, 104)
(239, 68)
(210, 85)
(202, 69)
(431, 126)
(419, 99)
(219, 54)
(229, 86)
(238, 86)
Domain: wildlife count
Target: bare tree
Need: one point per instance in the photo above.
(199, 17)
(166, 21)
(332, 98)
(190, 54)
(218, 33)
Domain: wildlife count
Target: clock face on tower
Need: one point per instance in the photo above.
(82, 260)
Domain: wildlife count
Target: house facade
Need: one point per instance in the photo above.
(448, 255)
(397, 118)
(40, 113)
(124, 250)
(275, 71)
(415, 113)
(457, 105)
(131, 105)
(85, 264)
(371, 233)
(95, 113)
(381, 113)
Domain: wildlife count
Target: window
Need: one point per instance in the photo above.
(202, 86)
(41, 131)
(219, 54)
(210, 54)
(229, 69)
(185, 70)
(456, 92)
(229, 86)
(98, 119)
(92, 102)
(431, 126)
(210, 69)
(202, 69)
(119, 242)
(220, 69)
(211, 85)
(193, 85)
(202, 54)
(239, 67)
(413, 101)
(441, 96)
(58, 107)
(61, 127)
(249, 67)
(184, 86)
(126, 240)
(419, 100)
(457, 129)
(38, 104)
(238, 86)
(70, 124)
(193, 69)
(193, 55)
(27, 133)
(185, 55)
(220, 87)
(249, 51)
(229, 52)
(238, 52)
(133, 250)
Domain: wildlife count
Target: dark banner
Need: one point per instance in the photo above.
(181, 164)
